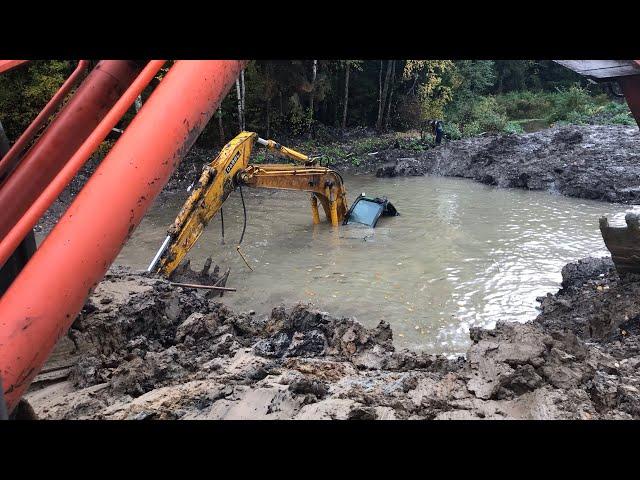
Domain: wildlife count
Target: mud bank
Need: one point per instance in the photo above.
(146, 350)
(599, 162)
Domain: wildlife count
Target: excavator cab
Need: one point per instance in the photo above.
(367, 211)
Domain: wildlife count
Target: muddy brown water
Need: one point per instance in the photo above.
(461, 254)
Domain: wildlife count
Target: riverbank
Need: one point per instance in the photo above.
(598, 162)
(148, 350)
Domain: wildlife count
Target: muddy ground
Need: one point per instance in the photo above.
(147, 350)
(600, 162)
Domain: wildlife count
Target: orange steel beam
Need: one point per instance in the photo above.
(13, 238)
(66, 133)
(6, 65)
(44, 300)
(8, 162)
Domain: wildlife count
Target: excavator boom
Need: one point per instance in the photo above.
(231, 169)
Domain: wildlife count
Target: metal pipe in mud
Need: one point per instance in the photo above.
(159, 253)
(88, 237)
(204, 287)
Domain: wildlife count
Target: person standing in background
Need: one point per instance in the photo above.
(438, 131)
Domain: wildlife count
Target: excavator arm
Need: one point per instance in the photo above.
(230, 169)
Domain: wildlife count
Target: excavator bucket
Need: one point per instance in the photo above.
(622, 241)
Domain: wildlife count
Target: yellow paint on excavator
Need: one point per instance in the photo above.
(231, 168)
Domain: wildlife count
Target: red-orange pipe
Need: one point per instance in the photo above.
(8, 162)
(6, 65)
(631, 89)
(44, 300)
(64, 135)
(13, 238)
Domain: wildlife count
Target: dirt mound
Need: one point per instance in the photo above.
(600, 162)
(151, 350)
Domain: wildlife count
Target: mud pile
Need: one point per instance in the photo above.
(148, 350)
(600, 162)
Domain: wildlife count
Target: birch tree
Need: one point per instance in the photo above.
(313, 93)
(383, 93)
(220, 126)
(348, 65)
(241, 97)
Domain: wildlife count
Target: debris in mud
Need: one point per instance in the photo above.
(155, 351)
(186, 275)
(599, 162)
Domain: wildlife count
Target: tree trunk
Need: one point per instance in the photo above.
(239, 94)
(346, 97)
(220, 126)
(391, 88)
(383, 96)
(380, 91)
(268, 117)
(244, 123)
(313, 94)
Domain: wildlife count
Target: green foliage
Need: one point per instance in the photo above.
(430, 89)
(472, 77)
(622, 119)
(451, 131)
(479, 114)
(471, 96)
(355, 151)
(513, 127)
(299, 120)
(572, 105)
(521, 105)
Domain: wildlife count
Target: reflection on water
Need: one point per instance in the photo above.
(460, 255)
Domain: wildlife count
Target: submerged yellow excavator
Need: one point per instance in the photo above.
(230, 170)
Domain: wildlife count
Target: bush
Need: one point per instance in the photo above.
(451, 131)
(478, 115)
(572, 105)
(513, 127)
(526, 105)
(471, 129)
(622, 119)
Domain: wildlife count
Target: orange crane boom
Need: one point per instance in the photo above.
(43, 301)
